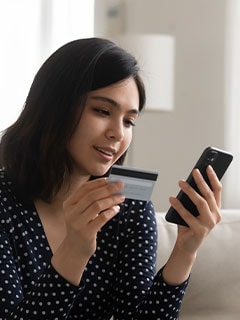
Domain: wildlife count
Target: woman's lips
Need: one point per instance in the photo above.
(106, 153)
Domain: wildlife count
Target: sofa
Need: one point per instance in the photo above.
(214, 288)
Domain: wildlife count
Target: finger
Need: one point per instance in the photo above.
(98, 207)
(216, 185)
(93, 222)
(205, 215)
(204, 201)
(84, 189)
(109, 190)
(91, 192)
(211, 194)
(188, 217)
(204, 190)
(97, 223)
(101, 199)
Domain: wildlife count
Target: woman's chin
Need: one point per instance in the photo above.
(100, 172)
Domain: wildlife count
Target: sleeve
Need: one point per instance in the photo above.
(140, 292)
(52, 296)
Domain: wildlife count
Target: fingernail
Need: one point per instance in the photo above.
(116, 208)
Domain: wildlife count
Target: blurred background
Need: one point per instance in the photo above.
(196, 99)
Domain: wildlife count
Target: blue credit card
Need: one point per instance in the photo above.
(138, 183)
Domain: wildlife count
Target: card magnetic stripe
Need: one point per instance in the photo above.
(134, 173)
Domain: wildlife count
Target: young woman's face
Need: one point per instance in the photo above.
(105, 129)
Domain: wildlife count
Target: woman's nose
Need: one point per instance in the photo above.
(115, 132)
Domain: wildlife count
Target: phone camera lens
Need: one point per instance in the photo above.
(212, 157)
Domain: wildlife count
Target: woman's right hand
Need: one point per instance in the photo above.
(86, 211)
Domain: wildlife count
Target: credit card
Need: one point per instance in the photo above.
(138, 183)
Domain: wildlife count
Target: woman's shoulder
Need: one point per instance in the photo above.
(13, 210)
(5, 184)
(7, 195)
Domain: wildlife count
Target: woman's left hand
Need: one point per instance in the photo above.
(208, 204)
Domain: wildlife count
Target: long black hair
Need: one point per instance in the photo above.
(33, 151)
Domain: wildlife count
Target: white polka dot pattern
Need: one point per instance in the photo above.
(120, 278)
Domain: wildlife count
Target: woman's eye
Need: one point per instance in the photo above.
(102, 111)
(130, 123)
(105, 113)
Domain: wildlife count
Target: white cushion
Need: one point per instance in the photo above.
(214, 288)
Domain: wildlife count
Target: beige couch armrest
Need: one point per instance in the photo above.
(214, 288)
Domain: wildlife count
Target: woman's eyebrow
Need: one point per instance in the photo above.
(113, 103)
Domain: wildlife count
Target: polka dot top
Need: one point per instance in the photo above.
(119, 280)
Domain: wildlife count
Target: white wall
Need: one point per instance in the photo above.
(172, 142)
(232, 101)
(30, 31)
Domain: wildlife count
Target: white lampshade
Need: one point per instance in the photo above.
(155, 54)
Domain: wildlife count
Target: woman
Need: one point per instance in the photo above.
(71, 245)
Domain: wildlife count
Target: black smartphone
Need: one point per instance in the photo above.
(219, 160)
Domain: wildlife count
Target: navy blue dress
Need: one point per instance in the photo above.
(119, 280)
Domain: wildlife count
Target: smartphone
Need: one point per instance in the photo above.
(219, 160)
